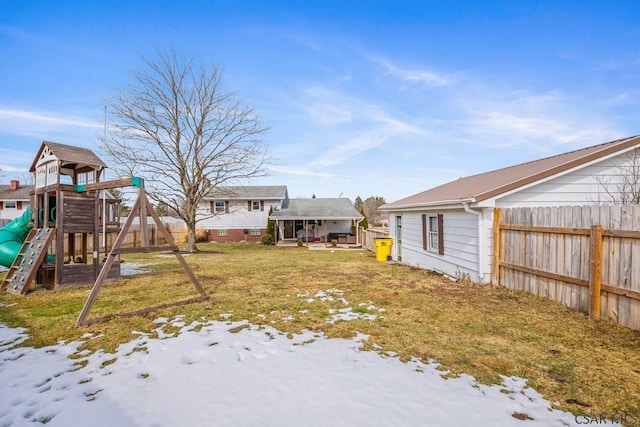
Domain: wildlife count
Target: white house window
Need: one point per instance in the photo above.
(432, 233)
(222, 232)
(254, 231)
(10, 205)
(255, 205)
(219, 207)
(85, 177)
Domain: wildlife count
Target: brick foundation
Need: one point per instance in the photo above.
(235, 235)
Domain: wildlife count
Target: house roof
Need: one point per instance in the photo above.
(21, 193)
(486, 185)
(71, 156)
(248, 192)
(327, 209)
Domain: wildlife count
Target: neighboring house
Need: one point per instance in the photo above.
(383, 219)
(449, 228)
(239, 213)
(319, 220)
(14, 200)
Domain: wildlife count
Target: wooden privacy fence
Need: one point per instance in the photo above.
(367, 237)
(178, 232)
(586, 257)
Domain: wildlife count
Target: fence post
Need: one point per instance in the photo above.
(595, 271)
(497, 216)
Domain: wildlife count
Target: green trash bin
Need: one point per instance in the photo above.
(383, 248)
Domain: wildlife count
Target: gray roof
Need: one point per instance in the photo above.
(22, 193)
(486, 185)
(248, 192)
(71, 156)
(334, 208)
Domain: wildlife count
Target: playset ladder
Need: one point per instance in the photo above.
(25, 266)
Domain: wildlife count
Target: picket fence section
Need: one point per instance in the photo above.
(585, 257)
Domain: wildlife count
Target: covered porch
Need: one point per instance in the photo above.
(316, 231)
(320, 221)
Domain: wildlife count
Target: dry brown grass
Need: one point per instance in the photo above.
(485, 331)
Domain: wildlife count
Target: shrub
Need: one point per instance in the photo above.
(365, 222)
(202, 235)
(267, 239)
(299, 242)
(271, 224)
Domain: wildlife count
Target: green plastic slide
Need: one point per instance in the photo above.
(12, 236)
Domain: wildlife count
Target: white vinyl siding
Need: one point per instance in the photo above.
(235, 216)
(579, 187)
(7, 212)
(460, 231)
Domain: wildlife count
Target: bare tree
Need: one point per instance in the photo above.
(623, 188)
(178, 128)
(371, 208)
(358, 203)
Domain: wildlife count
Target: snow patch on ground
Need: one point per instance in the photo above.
(132, 268)
(239, 374)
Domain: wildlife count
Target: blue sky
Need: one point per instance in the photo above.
(363, 97)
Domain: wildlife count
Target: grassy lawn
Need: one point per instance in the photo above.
(485, 331)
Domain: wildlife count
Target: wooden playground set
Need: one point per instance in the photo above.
(70, 200)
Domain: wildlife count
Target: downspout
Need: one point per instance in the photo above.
(481, 248)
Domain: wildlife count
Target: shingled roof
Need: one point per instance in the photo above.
(20, 193)
(477, 188)
(72, 156)
(325, 209)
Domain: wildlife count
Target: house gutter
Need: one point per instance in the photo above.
(417, 206)
(481, 247)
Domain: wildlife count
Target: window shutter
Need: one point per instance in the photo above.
(212, 207)
(249, 205)
(19, 205)
(440, 234)
(1, 205)
(425, 242)
(226, 206)
(261, 205)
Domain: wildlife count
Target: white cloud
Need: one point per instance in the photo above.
(10, 168)
(381, 128)
(620, 99)
(301, 171)
(43, 119)
(542, 121)
(348, 125)
(23, 130)
(46, 41)
(14, 160)
(422, 76)
(327, 107)
(523, 126)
